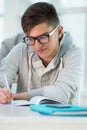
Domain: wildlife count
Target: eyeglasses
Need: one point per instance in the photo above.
(42, 39)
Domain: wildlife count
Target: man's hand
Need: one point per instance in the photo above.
(5, 96)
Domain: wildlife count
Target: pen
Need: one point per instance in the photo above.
(7, 85)
(6, 82)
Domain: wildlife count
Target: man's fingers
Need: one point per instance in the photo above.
(7, 93)
(5, 96)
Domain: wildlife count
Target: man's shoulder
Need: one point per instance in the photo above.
(19, 38)
(19, 46)
(68, 43)
(13, 40)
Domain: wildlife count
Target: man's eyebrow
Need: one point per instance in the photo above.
(46, 33)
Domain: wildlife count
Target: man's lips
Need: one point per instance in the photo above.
(41, 50)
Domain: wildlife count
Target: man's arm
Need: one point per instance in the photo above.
(21, 96)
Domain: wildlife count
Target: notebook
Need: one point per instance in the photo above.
(71, 110)
(34, 100)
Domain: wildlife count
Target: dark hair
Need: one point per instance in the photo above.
(38, 13)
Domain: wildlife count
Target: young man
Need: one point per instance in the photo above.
(48, 63)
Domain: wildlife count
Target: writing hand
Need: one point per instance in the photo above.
(5, 96)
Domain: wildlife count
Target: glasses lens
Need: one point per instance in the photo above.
(29, 40)
(26, 40)
(43, 39)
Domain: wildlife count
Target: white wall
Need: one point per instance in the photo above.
(12, 16)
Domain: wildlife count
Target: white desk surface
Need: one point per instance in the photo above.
(22, 118)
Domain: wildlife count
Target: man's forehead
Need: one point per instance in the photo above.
(40, 29)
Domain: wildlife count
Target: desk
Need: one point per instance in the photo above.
(21, 118)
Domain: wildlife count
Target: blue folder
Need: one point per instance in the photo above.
(59, 111)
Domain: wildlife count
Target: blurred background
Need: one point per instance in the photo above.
(73, 17)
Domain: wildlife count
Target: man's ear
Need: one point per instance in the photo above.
(60, 31)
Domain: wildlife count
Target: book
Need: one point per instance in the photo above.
(34, 100)
(59, 111)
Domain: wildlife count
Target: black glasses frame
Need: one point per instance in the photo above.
(42, 39)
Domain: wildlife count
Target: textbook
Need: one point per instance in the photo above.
(47, 109)
(34, 100)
